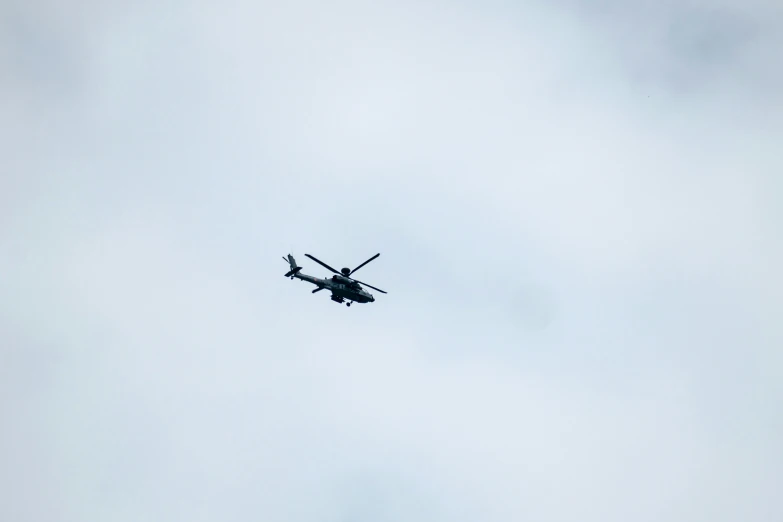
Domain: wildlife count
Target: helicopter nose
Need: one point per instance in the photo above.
(372, 299)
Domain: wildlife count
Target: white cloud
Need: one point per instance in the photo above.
(582, 267)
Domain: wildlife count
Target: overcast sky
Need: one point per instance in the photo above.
(578, 210)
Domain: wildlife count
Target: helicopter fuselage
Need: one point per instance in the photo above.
(340, 287)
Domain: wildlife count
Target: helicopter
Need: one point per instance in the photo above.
(342, 285)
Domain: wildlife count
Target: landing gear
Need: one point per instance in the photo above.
(347, 304)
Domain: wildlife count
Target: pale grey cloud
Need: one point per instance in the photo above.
(577, 208)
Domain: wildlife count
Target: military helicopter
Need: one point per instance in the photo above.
(341, 284)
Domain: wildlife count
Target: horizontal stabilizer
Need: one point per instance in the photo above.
(294, 271)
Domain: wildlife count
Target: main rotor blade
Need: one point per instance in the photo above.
(323, 264)
(358, 267)
(370, 286)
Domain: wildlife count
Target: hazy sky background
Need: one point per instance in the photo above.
(578, 209)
